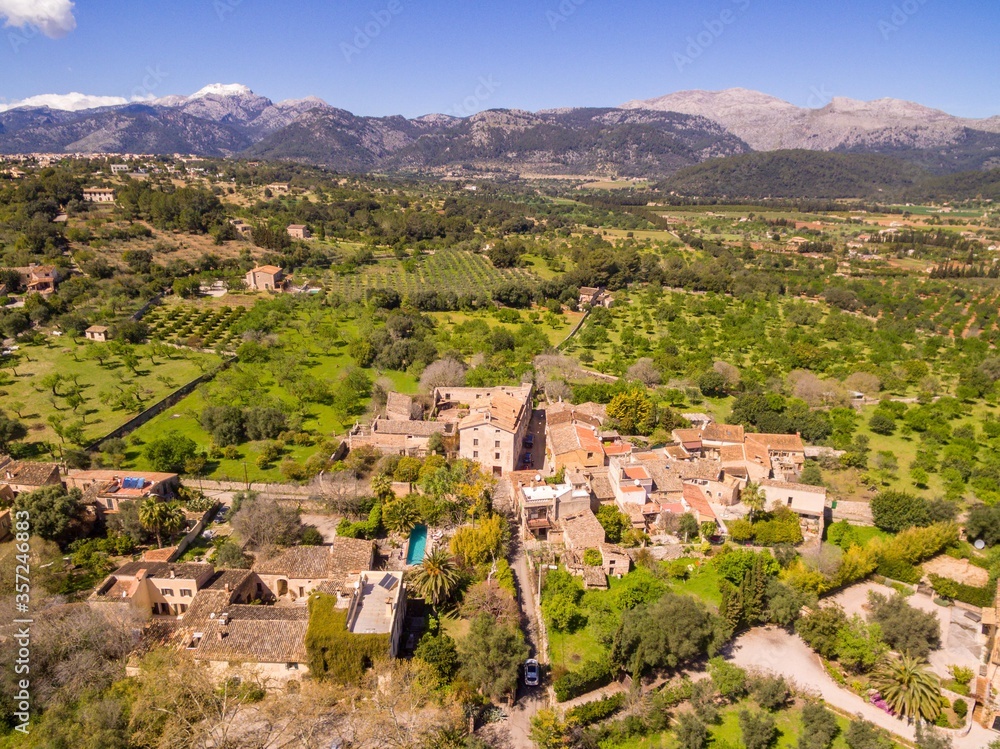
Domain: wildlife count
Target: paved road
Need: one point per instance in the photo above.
(775, 650)
(529, 699)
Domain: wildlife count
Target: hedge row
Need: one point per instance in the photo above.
(592, 675)
(969, 594)
(592, 712)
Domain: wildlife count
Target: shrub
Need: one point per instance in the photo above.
(592, 558)
(591, 675)
(961, 708)
(592, 712)
(895, 511)
(334, 652)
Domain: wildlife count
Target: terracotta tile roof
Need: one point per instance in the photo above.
(594, 578)
(411, 428)
(698, 502)
(781, 442)
(271, 269)
(28, 473)
(332, 563)
(705, 470)
(162, 570)
(732, 433)
(687, 435)
(159, 555)
(732, 453)
(675, 508)
(300, 562)
(636, 473)
(501, 410)
(618, 448)
(601, 487)
(232, 578)
(350, 556)
(261, 634)
(399, 407)
(794, 486)
(583, 531)
(676, 452)
(756, 452)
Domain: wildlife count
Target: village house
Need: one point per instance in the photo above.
(119, 168)
(591, 296)
(575, 439)
(242, 228)
(42, 279)
(293, 573)
(278, 188)
(97, 333)
(808, 502)
(108, 489)
(614, 561)
(22, 476)
(401, 430)
(299, 231)
(542, 507)
(491, 423)
(582, 531)
(155, 589)
(99, 195)
(266, 278)
(270, 638)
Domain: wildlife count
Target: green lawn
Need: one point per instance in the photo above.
(702, 584)
(154, 379)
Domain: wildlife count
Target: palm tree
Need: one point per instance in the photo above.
(909, 687)
(753, 498)
(161, 517)
(438, 577)
(400, 516)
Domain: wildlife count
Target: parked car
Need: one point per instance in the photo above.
(531, 673)
(529, 441)
(527, 460)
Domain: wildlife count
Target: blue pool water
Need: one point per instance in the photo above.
(418, 545)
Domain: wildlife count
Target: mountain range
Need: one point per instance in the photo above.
(647, 138)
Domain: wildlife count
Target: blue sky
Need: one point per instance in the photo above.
(412, 57)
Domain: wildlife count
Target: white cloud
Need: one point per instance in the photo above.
(54, 18)
(73, 102)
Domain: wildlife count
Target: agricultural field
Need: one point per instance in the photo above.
(305, 359)
(194, 326)
(453, 271)
(88, 389)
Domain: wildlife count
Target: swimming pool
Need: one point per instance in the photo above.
(418, 545)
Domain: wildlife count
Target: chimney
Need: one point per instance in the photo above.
(172, 573)
(226, 586)
(224, 618)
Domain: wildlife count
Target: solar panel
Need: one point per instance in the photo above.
(388, 582)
